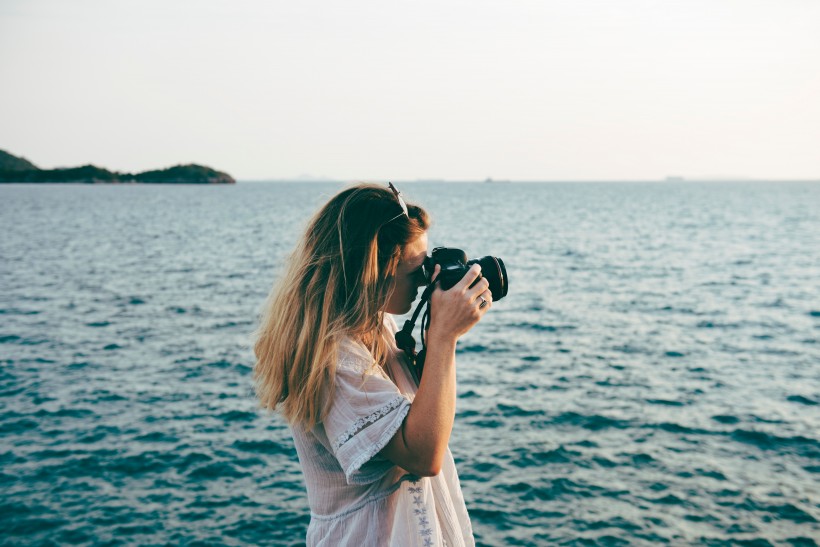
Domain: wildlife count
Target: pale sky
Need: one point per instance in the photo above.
(388, 90)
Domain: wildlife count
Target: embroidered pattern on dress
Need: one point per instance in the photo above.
(425, 530)
(364, 421)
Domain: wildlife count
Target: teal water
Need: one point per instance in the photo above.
(652, 377)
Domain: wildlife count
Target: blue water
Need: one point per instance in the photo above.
(652, 377)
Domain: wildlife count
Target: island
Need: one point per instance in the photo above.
(14, 169)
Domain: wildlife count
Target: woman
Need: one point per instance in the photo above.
(371, 441)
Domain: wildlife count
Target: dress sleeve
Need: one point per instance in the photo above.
(366, 411)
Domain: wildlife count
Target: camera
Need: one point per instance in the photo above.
(454, 265)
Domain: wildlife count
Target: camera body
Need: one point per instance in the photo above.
(454, 265)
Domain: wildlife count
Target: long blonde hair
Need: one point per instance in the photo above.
(335, 286)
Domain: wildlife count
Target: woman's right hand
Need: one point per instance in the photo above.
(453, 312)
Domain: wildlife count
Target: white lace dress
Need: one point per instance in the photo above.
(358, 498)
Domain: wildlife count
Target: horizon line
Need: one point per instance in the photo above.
(665, 180)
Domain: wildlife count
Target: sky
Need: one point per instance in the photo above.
(399, 90)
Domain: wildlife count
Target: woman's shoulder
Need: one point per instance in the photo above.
(352, 356)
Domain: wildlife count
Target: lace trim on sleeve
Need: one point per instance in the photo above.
(387, 434)
(365, 421)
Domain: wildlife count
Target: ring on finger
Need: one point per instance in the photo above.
(483, 302)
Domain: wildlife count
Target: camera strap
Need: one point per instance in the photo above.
(404, 337)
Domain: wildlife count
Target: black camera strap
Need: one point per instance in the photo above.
(404, 337)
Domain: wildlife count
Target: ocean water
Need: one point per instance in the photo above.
(653, 376)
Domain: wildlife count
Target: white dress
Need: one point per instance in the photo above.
(359, 498)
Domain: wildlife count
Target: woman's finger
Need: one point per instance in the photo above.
(469, 277)
(479, 288)
(485, 299)
(436, 271)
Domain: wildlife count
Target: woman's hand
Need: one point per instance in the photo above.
(454, 312)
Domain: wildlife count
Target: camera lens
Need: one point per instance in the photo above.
(492, 268)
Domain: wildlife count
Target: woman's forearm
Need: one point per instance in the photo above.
(420, 445)
(430, 420)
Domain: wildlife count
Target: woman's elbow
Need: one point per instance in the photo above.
(417, 458)
(426, 467)
(425, 471)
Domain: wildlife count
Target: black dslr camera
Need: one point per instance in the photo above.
(454, 265)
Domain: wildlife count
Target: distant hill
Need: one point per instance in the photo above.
(9, 162)
(191, 173)
(16, 169)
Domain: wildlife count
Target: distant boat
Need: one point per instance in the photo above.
(491, 181)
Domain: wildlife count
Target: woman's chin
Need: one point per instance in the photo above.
(403, 310)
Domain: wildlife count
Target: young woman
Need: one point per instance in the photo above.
(371, 441)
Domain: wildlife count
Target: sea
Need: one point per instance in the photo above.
(652, 377)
